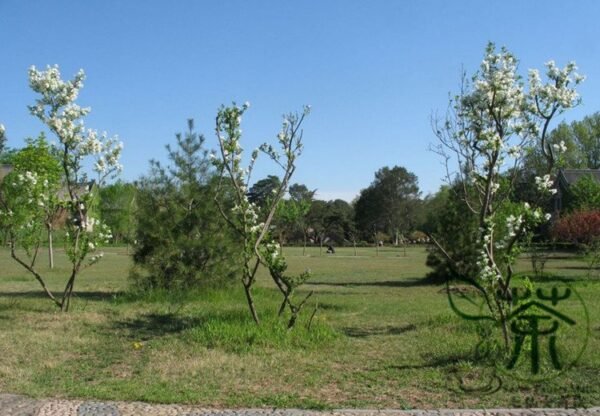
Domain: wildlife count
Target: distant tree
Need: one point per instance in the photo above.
(182, 241)
(263, 190)
(578, 142)
(586, 134)
(583, 195)
(432, 207)
(341, 220)
(303, 198)
(288, 216)
(389, 204)
(299, 192)
(330, 221)
(117, 210)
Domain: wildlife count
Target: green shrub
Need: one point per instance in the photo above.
(454, 226)
(181, 240)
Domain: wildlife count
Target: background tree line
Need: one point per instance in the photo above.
(391, 210)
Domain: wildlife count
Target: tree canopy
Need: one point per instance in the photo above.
(390, 203)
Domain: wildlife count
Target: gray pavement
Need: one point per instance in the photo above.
(15, 405)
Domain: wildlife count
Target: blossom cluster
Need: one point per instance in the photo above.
(487, 272)
(25, 193)
(559, 92)
(56, 107)
(496, 118)
(545, 184)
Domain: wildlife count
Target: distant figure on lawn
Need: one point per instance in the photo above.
(330, 250)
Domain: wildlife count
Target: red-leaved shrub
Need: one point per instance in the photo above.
(579, 227)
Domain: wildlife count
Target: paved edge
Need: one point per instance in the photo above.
(17, 405)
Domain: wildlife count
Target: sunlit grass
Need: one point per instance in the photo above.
(379, 338)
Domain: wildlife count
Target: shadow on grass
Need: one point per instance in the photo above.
(154, 325)
(585, 268)
(551, 278)
(38, 294)
(363, 332)
(331, 306)
(382, 283)
(436, 362)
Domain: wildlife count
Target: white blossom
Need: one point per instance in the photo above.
(544, 184)
(560, 147)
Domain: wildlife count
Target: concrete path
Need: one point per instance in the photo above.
(13, 405)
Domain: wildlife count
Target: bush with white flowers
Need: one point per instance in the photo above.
(244, 217)
(84, 234)
(489, 125)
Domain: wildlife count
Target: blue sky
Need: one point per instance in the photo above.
(373, 71)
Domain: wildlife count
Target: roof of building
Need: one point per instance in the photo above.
(571, 176)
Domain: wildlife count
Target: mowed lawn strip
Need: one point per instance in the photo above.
(380, 338)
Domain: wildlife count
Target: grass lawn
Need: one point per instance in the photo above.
(380, 338)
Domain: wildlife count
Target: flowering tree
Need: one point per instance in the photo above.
(254, 229)
(57, 109)
(486, 130)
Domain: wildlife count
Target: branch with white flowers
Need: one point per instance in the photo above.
(32, 201)
(244, 216)
(486, 130)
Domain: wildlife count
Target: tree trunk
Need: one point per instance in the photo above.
(50, 249)
(32, 271)
(282, 307)
(251, 305)
(304, 247)
(66, 298)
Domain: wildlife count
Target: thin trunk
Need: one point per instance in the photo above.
(250, 299)
(68, 292)
(50, 249)
(354, 244)
(295, 310)
(282, 307)
(35, 274)
(304, 247)
(312, 316)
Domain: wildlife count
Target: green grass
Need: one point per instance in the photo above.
(380, 338)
